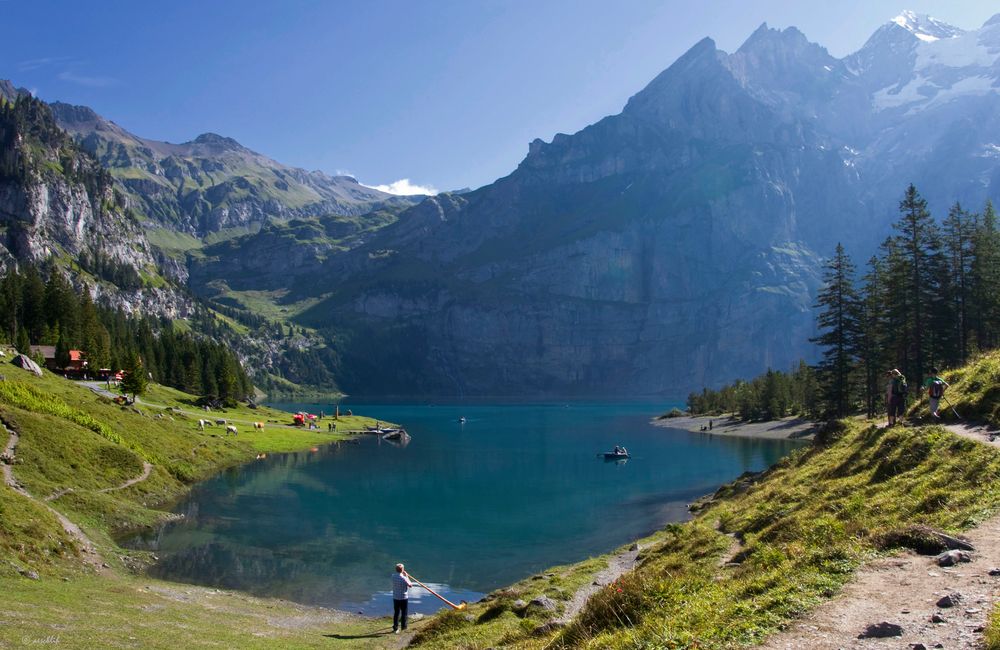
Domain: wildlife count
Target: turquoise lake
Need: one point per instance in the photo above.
(469, 507)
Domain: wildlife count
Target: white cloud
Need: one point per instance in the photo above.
(45, 61)
(85, 80)
(403, 187)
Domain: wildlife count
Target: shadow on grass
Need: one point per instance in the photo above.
(348, 637)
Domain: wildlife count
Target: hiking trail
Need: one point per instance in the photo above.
(905, 589)
(89, 552)
(618, 565)
(147, 468)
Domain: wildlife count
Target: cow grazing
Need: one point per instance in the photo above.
(231, 429)
(204, 423)
(258, 425)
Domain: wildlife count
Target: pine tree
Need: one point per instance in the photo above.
(10, 307)
(23, 343)
(33, 301)
(986, 281)
(134, 380)
(959, 236)
(872, 335)
(62, 352)
(917, 241)
(838, 317)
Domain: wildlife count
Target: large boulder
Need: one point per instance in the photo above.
(25, 362)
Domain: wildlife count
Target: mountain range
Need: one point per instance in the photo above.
(676, 244)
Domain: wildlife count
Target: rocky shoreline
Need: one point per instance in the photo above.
(729, 426)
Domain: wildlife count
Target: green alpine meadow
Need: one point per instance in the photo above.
(541, 326)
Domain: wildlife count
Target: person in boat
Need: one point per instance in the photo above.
(400, 598)
(624, 452)
(618, 450)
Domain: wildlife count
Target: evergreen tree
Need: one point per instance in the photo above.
(986, 281)
(959, 235)
(10, 307)
(33, 303)
(917, 241)
(61, 308)
(134, 379)
(62, 352)
(23, 343)
(838, 318)
(872, 336)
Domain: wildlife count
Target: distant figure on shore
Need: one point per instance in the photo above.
(709, 425)
(895, 395)
(400, 598)
(935, 391)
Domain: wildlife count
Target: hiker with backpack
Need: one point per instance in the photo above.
(895, 395)
(935, 391)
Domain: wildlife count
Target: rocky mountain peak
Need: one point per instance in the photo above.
(926, 28)
(218, 142)
(780, 60)
(995, 20)
(765, 38)
(9, 92)
(70, 115)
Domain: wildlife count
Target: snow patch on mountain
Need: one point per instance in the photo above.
(928, 94)
(926, 28)
(960, 52)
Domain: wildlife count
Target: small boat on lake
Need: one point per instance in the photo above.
(394, 434)
(618, 453)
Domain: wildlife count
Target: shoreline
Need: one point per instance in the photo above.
(728, 426)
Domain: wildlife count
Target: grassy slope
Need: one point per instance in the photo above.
(796, 536)
(974, 392)
(64, 444)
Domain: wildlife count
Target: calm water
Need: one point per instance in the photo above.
(468, 507)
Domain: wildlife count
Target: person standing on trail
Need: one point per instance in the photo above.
(935, 391)
(895, 395)
(400, 598)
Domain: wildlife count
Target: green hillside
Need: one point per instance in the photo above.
(758, 553)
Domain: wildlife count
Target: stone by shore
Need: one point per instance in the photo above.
(727, 425)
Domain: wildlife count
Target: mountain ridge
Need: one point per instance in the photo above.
(213, 183)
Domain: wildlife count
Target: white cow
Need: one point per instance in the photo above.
(231, 429)
(204, 423)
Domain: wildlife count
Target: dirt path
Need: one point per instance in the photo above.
(617, 566)
(147, 468)
(87, 548)
(904, 590)
(978, 432)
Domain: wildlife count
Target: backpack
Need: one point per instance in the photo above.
(899, 387)
(936, 389)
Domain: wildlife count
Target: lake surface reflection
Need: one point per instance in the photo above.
(469, 507)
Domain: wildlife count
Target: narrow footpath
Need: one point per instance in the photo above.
(147, 468)
(934, 606)
(618, 565)
(88, 550)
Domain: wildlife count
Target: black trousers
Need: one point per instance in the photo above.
(399, 613)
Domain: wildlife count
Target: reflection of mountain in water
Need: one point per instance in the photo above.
(519, 489)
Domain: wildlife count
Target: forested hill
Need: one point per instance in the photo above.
(929, 299)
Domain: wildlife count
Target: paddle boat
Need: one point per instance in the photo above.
(618, 453)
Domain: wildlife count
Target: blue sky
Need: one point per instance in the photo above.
(447, 93)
